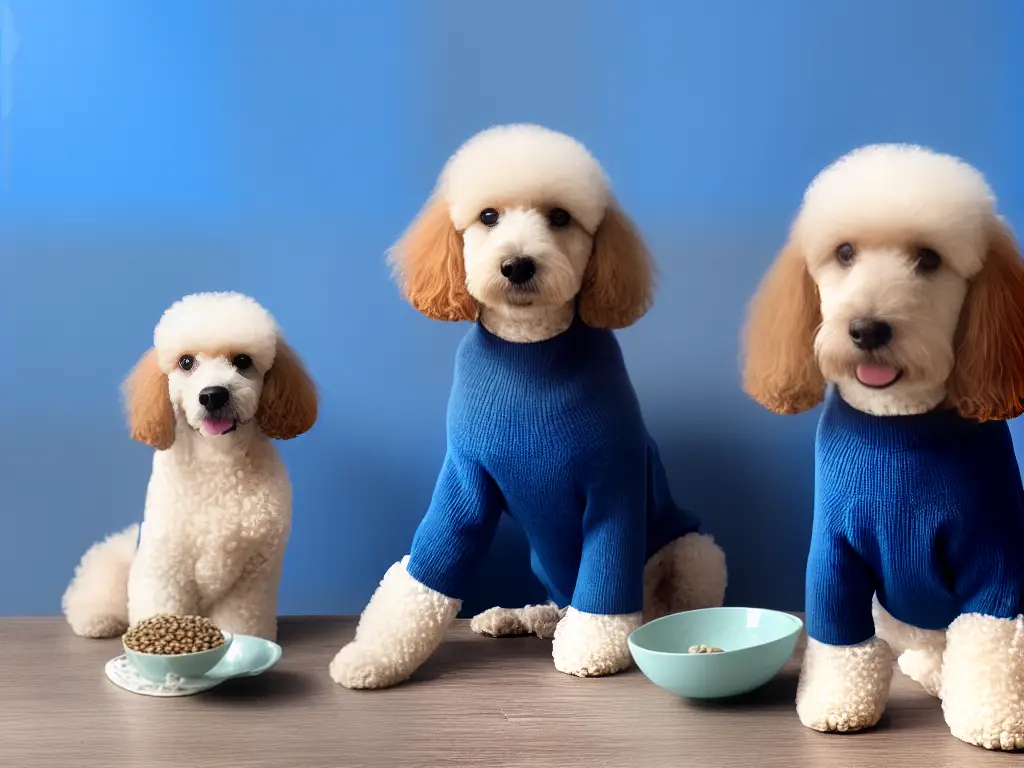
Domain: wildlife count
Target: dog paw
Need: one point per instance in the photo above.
(361, 667)
(589, 645)
(539, 620)
(499, 622)
(983, 681)
(98, 626)
(844, 689)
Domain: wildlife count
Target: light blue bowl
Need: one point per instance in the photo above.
(757, 644)
(155, 667)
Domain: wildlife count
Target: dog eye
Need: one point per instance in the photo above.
(185, 362)
(844, 254)
(928, 260)
(489, 217)
(241, 362)
(559, 217)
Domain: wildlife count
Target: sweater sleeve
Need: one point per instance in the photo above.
(611, 575)
(839, 588)
(457, 530)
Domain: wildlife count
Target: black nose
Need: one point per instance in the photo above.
(212, 398)
(518, 270)
(868, 333)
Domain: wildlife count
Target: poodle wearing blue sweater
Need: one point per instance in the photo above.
(522, 237)
(899, 298)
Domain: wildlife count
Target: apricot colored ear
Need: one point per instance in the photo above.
(429, 266)
(288, 406)
(618, 284)
(988, 379)
(779, 368)
(150, 415)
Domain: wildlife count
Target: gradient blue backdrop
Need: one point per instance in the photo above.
(157, 148)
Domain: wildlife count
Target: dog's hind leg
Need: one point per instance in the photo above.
(918, 651)
(685, 574)
(96, 601)
(539, 620)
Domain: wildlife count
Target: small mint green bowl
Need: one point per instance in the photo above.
(756, 645)
(155, 667)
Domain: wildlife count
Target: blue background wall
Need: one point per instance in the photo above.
(156, 148)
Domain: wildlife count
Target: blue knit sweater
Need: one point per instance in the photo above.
(551, 433)
(926, 511)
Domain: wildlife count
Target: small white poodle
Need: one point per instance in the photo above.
(522, 234)
(218, 384)
(903, 289)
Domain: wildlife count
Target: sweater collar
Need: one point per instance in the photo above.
(896, 431)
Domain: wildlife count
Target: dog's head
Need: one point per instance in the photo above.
(522, 218)
(900, 284)
(219, 364)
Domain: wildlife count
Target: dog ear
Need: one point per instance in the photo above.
(429, 266)
(988, 378)
(619, 280)
(150, 415)
(779, 368)
(288, 404)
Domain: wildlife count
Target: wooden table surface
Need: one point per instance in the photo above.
(477, 703)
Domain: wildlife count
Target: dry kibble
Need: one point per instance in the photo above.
(169, 635)
(704, 649)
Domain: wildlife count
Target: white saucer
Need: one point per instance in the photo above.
(248, 656)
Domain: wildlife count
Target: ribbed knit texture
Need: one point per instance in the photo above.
(927, 511)
(550, 432)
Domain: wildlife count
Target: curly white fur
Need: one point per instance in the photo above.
(588, 645)
(401, 626)
(539, 620)
(844, 688)
(219, 502)
(524, 162)
(96, 601)
(215, 528)
(918, 651)
(983, 681)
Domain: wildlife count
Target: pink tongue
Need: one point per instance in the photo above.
(876, 375)
(218, 426)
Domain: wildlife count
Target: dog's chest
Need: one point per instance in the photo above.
(218, 511)
(537, 436)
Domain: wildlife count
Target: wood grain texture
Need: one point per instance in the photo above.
(477, 703)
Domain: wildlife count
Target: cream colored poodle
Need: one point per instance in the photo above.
(902, 289)
(218, 384)
(523, 237)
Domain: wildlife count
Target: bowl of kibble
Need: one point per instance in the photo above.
(715, 653)
(180, 646)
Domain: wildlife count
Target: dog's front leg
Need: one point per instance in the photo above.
(847, 670)
(592, 645)
(844, 688)
(160, 582)
(983, 681)
(400, 628)
(607, 603)
(249, 607)
(405, 619)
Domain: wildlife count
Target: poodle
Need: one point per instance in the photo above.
(522, 236)
(218, 384)
(899, 300)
